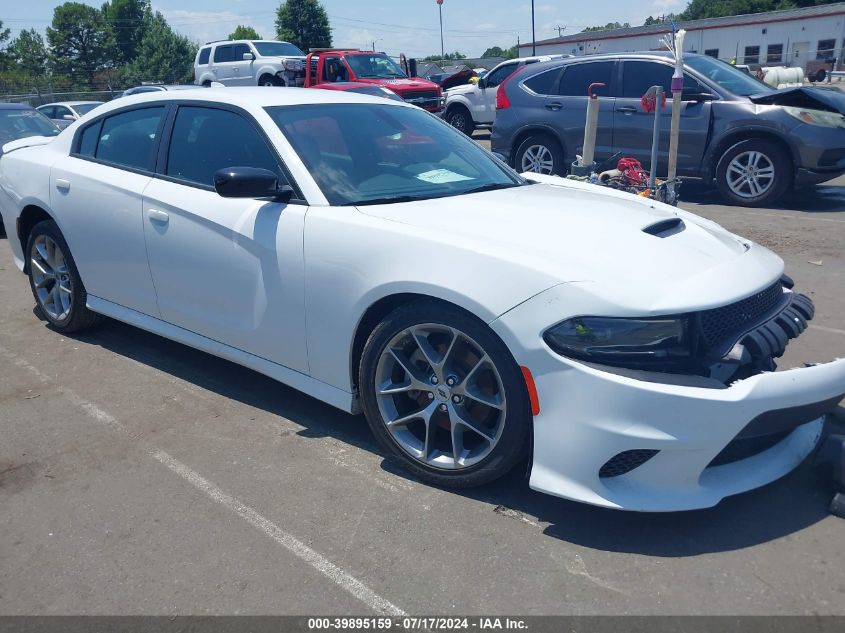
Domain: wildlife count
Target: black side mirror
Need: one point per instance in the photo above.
(698, 96)
(482, 83)
(251, 182)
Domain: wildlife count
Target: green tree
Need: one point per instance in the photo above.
(304, 23)
(494, 51)
(608, 27)
(447, 57)
(80, 42)
(127, 19)
(163, 55)
(244, 33)
(4, 36)
(28, 52)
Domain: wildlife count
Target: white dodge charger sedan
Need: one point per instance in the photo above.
(366, 253)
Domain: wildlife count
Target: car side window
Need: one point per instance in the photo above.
(224, 54)
(578, 77)
(240, 49)
(544, 83)
(498, 75)
(88, 140)
(639, 76)
(204, 55)
(49, 112)
(60, 112)
(129, 138)
(206, 140)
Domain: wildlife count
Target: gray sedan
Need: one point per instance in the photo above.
(752, 141)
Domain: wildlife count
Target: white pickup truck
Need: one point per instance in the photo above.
(474, 105)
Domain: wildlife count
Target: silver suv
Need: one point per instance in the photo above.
(250, 63)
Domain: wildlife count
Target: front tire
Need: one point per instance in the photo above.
(540, 154)
(443, 395)
(753, 173)
(460, 119)
(269, 81)
(58, 290)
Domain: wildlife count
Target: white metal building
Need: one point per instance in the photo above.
(793, 37)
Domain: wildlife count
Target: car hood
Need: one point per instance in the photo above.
(401, 85)
(570, 232)
(830, 99)
(461, 90)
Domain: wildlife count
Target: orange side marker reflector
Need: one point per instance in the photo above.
(532, 390)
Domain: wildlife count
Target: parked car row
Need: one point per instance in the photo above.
(752, 141)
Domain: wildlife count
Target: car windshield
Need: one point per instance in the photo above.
(375, 66)
(16, 124)
(277, 49)
(85, 108)
(375, 154)
(723, 74)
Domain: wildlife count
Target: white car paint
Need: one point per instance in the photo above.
(481, 101)
(282, 288)
(245, 72)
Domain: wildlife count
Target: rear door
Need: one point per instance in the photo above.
(223, 66)
(96, 193)
(567, 110)
(633, 127)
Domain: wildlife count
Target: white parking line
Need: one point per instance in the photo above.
(832, 330)
(299, 549)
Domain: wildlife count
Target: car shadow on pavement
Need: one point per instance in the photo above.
(775, 511)
(817, 199)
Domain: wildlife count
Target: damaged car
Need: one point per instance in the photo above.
(368, 254)
(752, 141)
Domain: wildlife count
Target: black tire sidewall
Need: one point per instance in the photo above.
(79, 316)
(558, 168)
(273, 81)
(779, 159)
(512, 445)
(469, 126)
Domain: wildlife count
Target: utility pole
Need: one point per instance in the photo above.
(533, 33)
(440, 9)
(560, 30)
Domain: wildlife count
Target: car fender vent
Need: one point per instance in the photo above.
(665, 228)
(625, 462)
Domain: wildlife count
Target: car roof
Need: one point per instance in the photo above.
(15, 106)
(68, 103)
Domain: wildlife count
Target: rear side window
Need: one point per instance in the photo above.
(638, 77)
(205, 140)
(578, 77)
(544, 83)
(89, 138)
(224, 54)
(204, 55)
(128, 139)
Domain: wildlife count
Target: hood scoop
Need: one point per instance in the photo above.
(665, 228)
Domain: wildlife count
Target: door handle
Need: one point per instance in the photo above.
(62, 184)
(158, 216)
(554, 106)
(627, 109)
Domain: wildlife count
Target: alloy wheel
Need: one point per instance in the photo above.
(51, 278)
(440, 396)
(750, 174)
(538, 159)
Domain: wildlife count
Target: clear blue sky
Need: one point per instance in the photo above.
(397, 26)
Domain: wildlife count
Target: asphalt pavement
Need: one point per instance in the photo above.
(138, 476)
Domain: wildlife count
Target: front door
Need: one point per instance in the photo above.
(483, 100)
(633, 127)
(224, 64)
(800, 54)
(242, 69)
(230, 269)
(100, 185)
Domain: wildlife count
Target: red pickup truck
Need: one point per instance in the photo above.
(327, 66)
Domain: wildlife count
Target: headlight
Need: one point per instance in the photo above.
(816, 117)
(621, 341)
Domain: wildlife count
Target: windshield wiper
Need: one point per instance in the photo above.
(385, 200)
(492, 187)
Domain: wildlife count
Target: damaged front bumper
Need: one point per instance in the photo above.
(649, 441)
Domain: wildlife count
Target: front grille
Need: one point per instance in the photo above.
(625, 462)
(420, 94)
(719, 323)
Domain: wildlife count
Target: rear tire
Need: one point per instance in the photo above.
(459, 118)
(59, 293)
(463, 417)
(754, 173)
(541, 154)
